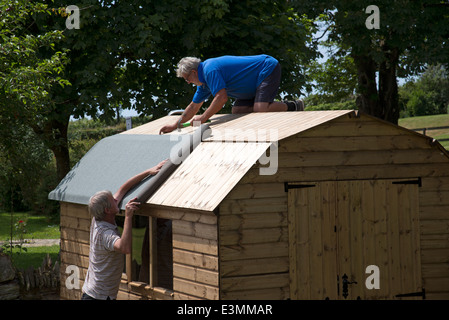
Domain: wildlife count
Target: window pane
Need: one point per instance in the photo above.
(140, 252)
(164, 254)
(140, 266)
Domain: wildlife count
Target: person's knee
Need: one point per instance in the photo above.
(261, 106)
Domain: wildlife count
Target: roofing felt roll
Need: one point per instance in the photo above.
(178, 153)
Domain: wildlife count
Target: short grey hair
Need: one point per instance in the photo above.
(186, 65)
(98, 203)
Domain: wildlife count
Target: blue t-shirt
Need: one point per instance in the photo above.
(239, 75)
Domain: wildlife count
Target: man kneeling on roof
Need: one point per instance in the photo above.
(252, 80)
(106, 245)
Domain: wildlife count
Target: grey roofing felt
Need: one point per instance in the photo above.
(115, 159)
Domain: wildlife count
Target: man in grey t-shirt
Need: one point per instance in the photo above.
(106, 245)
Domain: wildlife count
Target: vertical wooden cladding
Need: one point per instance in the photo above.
(75, 227)
(344, 227)
(434, 211)
(195, 257)
(313, 242)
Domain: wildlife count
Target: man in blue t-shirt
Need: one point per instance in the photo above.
(253, 81)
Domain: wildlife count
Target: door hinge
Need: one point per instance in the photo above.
(288, 186)
(346, 284)
(416, 181)
(421, 293)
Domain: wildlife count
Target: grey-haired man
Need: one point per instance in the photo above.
(106, 245)
(252, 80)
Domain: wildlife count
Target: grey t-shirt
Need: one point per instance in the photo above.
(105, 264)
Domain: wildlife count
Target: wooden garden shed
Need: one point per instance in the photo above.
(294, 205)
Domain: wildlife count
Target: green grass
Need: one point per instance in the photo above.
(440, 120)
(37, 227)
(34, 256)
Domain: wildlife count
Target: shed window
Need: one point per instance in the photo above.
(151, 260)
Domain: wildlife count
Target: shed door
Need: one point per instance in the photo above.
(354, 239)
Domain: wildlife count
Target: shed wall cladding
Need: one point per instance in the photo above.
(244, 249)
(75, 226)
(253, 218)
(195, 254)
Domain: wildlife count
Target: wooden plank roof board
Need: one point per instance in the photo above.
(154, 126)
(281, 124)
(241, 126)
(208, 175)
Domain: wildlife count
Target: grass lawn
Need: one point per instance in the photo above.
(440, 120)
(34, 256)
(37, 227)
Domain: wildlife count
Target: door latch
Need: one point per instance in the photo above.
(346, 283)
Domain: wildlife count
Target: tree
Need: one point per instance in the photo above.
(428, 94)
(125, 53)
(30, 68)
(411, 33)
(26, 170)
(335, 79)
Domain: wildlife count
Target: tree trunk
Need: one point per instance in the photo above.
(388, 87)
(60, 148)
(368, 99)
(54, 136)
(382, 103)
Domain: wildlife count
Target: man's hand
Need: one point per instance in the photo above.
(197, 120)
(124, 244)
(130, 207)
(157, 167)
(168, 128)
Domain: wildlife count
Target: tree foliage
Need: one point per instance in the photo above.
(30, 68)
(428, 94)
(411, 34)
(335, 80)
(124, 56)
(26, 76)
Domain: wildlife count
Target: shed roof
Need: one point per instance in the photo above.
(116, 158)
(234, 144)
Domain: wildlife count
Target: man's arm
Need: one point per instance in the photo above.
(188, 114)
(124, 244)
(118, 196)
(216, 105)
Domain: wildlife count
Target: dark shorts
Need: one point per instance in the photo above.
(266, 91)
(85, 296)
